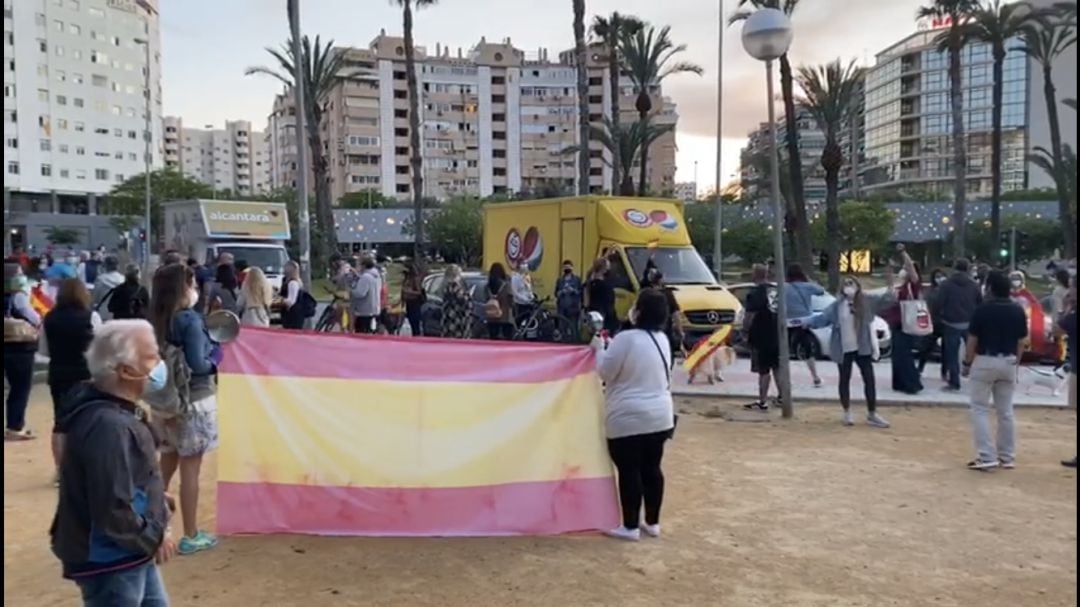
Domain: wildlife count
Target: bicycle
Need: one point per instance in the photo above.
(335, 317)
(542, 325)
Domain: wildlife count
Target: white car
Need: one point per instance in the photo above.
(824, 336)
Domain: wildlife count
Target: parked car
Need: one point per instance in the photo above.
(823, 336)
(431, 311)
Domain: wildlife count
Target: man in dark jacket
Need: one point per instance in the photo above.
(111, 524)
(954, 307)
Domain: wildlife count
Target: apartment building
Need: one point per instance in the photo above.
(280, 142)
(75, 106)
(908, 119)
(754, 157)
(234, 158)
(494, 120)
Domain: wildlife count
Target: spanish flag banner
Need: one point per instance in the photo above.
(333, 434)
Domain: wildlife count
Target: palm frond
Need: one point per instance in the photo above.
(649, 54)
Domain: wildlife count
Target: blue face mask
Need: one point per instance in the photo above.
(159, 377)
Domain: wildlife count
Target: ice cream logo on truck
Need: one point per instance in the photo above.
(641, 219)
(528, 249)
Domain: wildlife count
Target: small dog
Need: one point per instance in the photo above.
(713, 365)
(1054, 380)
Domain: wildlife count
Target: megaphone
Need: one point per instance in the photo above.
(223, 326)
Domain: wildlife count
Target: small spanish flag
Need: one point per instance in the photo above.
(703, 349)
(40, 300)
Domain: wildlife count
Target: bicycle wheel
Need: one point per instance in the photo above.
(325, 320)
(562, 330)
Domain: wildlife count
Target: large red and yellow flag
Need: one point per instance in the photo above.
(334, 434)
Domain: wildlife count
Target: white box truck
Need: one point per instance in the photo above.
(254, 232)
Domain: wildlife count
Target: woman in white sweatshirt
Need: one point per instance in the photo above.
(636, 368)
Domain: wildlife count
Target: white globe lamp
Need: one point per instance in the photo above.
(767, 34)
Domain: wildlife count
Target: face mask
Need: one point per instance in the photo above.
(940, 280)
(193, 297)
(567, 271)
(851, 291)
(633, 316)
(158, 377)
(1016, 284)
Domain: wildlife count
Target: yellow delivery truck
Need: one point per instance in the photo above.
(633, 233)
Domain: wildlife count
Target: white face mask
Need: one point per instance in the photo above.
(850, 291)
(632, 316)
(192, 296)
(1018, 284)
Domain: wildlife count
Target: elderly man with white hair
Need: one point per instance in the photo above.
(111, 525)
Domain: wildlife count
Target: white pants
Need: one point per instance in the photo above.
(993, 385)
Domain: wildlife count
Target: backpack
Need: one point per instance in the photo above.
(174, 400)
(307, 304)
(492, 309)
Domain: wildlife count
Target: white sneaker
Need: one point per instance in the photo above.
(876, 421)
(849, 419)
(651, 530)
(622, 533)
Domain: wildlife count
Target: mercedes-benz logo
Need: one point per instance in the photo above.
(713, 317)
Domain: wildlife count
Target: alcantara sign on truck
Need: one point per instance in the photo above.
(256, 220)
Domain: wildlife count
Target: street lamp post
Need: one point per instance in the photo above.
(718, 237)
(147, 154)
(766, 35)
(299, 66)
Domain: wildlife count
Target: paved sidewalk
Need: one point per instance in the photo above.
(741, 383)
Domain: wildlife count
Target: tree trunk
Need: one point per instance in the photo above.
(627, 186)
(1065, 213)
(613, 86)
(956, 97)
(643, 170)
(995, 143)
(326, 242)
(804, 247)
(832, 214)
(581, 59)
(415, 160)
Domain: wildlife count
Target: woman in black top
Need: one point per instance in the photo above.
(130, 299)
(69, 327)
(600, 295)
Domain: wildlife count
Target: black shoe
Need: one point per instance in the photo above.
(758, 406)
(1069, 463)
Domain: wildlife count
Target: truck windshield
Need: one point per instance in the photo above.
(269, 260)
(679, 265)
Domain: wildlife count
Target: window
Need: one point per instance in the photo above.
(43, 46)
(11, 142)
(42, 69)
(45, 144)
(62, 124)
(133, 157)
(498, 135)
(498, 98)
(59, 51)
(118, 132)
(58, 25)
(46, 170)
(498, 117)
(99, 57)
(498, 80)
(399, 94)
(401, 113)
(80, 127)
(13, 168)
(76, 54)
(498, 153)
(9, 90)
(64, 173)
(101, 130)
(77, 102)
(98, 80)
(80, 173)
(498, 172)
(39, 18)
(133, 135)
(77, 78)
(116, 111)
(61, 100)
(95, 12)
(118, 155)
(80, 150)
(43, 95)
(100, 154)
(74, 29)
(63, 148)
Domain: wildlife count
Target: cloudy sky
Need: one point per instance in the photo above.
(208, 43)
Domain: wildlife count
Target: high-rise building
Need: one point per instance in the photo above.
(235, 158)
(280, 140)
(908, 118)
(75, 105)
(494, 120)
(755, 157)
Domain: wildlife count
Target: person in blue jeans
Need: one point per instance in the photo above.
(111, 528)
(954, 306)
(799, 294)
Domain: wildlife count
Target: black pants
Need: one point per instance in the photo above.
(866, 369)
(19, 371)
(364, 324)
(412, 314)
(59, 390)
(637, 459)
(500, 330)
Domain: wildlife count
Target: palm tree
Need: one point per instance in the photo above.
(996, 24)
(625, 142)
(581, 60)
(415, 149)
(1044, 43)
(650, 58)
(831, 95)
(610, 30)
(801, 220)
(323, 69)
(952, 41)
(1066, 11)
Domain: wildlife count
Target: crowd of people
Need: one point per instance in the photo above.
(119, 343)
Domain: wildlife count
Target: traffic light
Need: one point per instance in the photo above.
(1005, 248)
(142, 235)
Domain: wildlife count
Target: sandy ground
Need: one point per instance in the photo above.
(779, 513)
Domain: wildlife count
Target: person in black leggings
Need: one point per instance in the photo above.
(18, 353)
